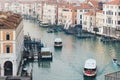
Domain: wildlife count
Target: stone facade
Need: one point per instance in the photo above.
(11, 43)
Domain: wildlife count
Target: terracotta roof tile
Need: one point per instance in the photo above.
(11, 21)
(114, 2)
(84, 6)
(95, 3)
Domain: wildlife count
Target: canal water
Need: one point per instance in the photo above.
(68, 63)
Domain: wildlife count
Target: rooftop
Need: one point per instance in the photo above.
(94, 3)
(9, 20)
(91, 13)
(114, 2)
(84, 6)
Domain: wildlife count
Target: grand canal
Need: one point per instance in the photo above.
(68, 63)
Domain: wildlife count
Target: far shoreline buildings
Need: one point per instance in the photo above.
(90, 13)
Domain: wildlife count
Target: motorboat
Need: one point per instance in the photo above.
(58, 42)
(90, 68)
(46, 53)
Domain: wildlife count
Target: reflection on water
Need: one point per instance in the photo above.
(68, 63)
(89, 78)
(44, 64)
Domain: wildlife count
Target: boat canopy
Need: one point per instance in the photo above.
(90, 64)
(45, 50)
(58, 40)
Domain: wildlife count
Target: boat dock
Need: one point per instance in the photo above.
(32, 48)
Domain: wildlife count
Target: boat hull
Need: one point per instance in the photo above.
(89, 75)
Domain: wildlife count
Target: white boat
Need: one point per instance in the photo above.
(44, 24)
(46, 53)
(90, 68)
(58, 42)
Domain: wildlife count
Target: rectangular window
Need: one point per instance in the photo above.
(109, 20)
(80, 16)
(119, 7)
(85, 10)
(106, 12)
(7, 49)
(109, 12)
(65, 10)
(118, 13)
(75, 10)
(91, 18)
(80, 22)
(118, 22)
(7, 36)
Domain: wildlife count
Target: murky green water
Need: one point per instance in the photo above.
(68, 63)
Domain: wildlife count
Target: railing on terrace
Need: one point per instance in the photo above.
(113, 76)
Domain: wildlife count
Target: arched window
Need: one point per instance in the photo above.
(7, 49)
(7, 36)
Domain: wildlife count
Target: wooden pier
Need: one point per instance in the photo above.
(32, 48)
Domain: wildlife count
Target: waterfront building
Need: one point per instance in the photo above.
(99, 21)
(11, 43)
(91, 19)
(49, 13)
(13, 6)
(65, 15)
(88, 21)
(26, 8)
(83, 8)
(111, 11)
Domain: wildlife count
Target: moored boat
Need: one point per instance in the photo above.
(58, 42)
(114, 60)
(46, 54)
(90, 68)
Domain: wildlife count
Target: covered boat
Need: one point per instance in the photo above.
(90, 68)
(46, 53)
